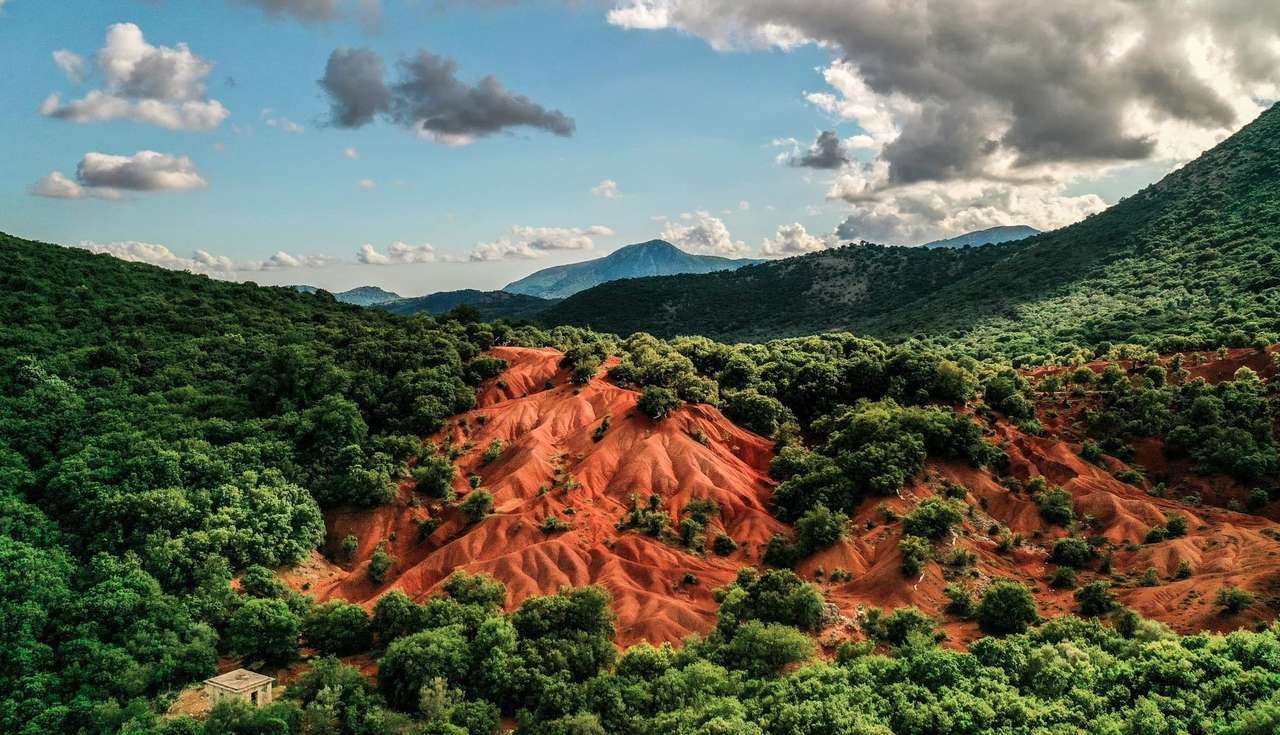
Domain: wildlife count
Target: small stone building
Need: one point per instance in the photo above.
(242, 684)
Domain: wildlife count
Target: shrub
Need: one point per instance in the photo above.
(959, 600)
(763, 649)
(1064, 578)
(348, 548)
(433, 477)
(916, 552)
(723, 545)
(380, 563)
(1096, 599)
(493, 452)
(477, 505)
(1072, 552)
(656, 402)
(819, 528)
(777, 596)
(1006, 607)
(1183, 571)
(1091, 452)
(1056, 506)
(395, 616)
(931, 519)
(554, 524)
(780, 552)
(337, 628)
(1232, 599)
(895, 629)
(754, 412)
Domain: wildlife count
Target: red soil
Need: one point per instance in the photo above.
(547, 438)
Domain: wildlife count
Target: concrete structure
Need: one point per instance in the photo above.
(247, 686)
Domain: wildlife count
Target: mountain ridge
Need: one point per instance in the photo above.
(978, 238)
(649, 258)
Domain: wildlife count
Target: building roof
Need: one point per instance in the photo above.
(240, 680)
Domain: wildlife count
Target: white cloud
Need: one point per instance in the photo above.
(158, 85)
(793, 239)
(708, 234)
(367, 184)
(535, 242)
(744, 205)
(351, 153)
(201, 261)
(398, 253)
(607, 189)
(71, 64)
(280, 122)
(106, 176)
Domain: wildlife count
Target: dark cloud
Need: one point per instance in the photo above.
(968, 82)
(429, 98)
(827, 152)
(353, 79)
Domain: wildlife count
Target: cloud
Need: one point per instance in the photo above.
(351, 153)
(707, 234)
(827, 152)
(429, 99)
(143, 171)
(201, 261)
(71, 64)
(105, 176)
(607, 189)
(793, 239)
(367, 184)
(55, 185)
(157, 85)
(531, 243)
(744, 205)
(1004, 94)
(398, 253)
(280, 122)
(318, 12)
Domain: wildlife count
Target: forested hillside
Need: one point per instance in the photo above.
(1193, 260)
(163, 434)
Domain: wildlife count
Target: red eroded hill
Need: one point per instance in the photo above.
(551, 465)
(554, 460)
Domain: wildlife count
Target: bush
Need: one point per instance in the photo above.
(1006, 607)
(1232, 599)
(1056, 506)
(763, 649)
(723, 545)
(433, 477)
(1064, 578)
(414, 661)
(656, 402)
(1072, 552)
(777, 596)
(1096, 599)
(477, 505)
(931, 519)
(395, 616)
(1091, 452)
(916, 552)
(754, 412)
(347, 550)
(337, 628)
(380, 563)
(959, 600)
(819, 528)
(264, 629)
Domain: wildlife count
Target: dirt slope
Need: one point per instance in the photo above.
(552, 464)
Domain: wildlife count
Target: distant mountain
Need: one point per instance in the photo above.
(1007, 233)
(491, 304)
(1192, 260)
(360, 295)
(652, 258)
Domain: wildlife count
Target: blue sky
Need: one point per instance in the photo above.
(683, 121)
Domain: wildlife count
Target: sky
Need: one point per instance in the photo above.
(426, 145)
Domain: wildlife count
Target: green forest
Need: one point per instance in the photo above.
(162, 433)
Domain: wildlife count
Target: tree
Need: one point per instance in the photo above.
(656, 402)
(476, 505)
(433, 476)
(380, 563)
(763, 649)
(1006, 607)
(1072, 552)
(395, 616)
(819, 528)
(1096, 598)
(264, 629)
(1233, 599)
(337, 628)
(931, 519)
(414, 661)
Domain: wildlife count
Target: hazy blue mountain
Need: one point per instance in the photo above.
(490, 304)
(360, 295)
(1007, 233)
(652, 258)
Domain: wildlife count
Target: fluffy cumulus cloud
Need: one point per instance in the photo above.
(1006, 101)
(607, 189)
(107, 176)
(398, 253)
(429, 99)
(793, 239)
(158, 85)
(201, 261)
(71, 64)
(535, 242)
(700, 232)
